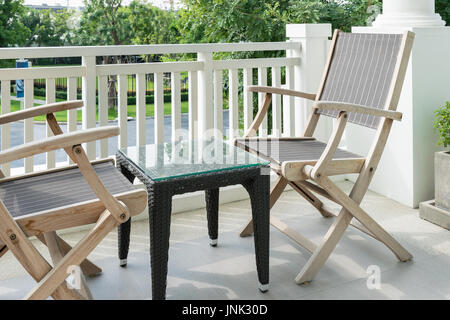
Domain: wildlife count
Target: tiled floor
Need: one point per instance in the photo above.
(198, 271)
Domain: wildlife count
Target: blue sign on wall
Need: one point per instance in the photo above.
(20, 83)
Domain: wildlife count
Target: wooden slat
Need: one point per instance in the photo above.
(140, 109)
(193, 105)
(6, 129)
(262, 81)
(50, 97)
(218, 101)
(103, 111)
(276, 103)
(176, 106)
(159, 108)
(28, 123)
(233, 125)
(248, 98)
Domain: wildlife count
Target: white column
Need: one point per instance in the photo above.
(312, 52)
(406, 13)
(406, 170)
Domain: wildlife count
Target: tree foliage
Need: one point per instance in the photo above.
(48, 28)
(12, 30)
(443, 8)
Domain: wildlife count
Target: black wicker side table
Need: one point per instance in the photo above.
(176, 168)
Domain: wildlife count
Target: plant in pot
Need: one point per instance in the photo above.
(438, 210)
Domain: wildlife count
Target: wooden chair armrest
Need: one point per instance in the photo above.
(274, 90)
(349, 107)
(38, 111)
(57, 142)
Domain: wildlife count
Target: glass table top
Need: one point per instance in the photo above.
(187, 158)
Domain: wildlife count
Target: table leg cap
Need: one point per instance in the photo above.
(263, 287)
(123, 262)
(213, 242)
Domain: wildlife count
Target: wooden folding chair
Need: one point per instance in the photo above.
(361, 84)
(40, 203)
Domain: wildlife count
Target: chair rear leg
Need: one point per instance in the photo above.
(57, 254)
(275, 194)
(89, 269)
(105, 224)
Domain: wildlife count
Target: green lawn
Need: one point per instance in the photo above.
(112, 114)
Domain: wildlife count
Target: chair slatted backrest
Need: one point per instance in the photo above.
(361, 71)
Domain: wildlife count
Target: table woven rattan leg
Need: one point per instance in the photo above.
(159, 209)
(212, 213)
(259, 191)
(124, 229)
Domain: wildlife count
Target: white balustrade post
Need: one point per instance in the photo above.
(406, 170)
(312, 51)
(205, 96)
(89, 99)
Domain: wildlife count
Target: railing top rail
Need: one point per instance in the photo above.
(59, 52)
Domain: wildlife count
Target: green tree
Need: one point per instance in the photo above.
(443, 8)
(12, 30)
(48, 28)
(104, 22)
(151, 25)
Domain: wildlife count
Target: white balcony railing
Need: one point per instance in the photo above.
(204, 88)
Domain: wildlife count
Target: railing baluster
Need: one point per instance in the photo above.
(122, 106)
(89, 97)
(28, 123)
(288, 105)
(159, 108)
(248, 99)
(103, 111)
(50, 97)
(176, 105)
(262, 81)
(140, 109)
(233, 103)
(193, 105)
(218, 102)
(205, 95)
(276, 103)
(6, 128)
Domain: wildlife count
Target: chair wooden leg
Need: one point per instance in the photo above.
(275, 194)
(57, 254)
(105, 224)
(89, 269)
(27, 255)
(350, 210)
(323, 251)
(371, 225)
